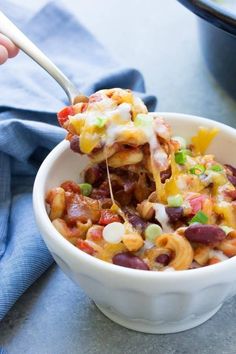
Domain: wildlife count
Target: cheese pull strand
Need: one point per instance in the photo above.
(109, 180)
(114, 206)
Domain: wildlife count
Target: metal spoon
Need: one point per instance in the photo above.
(26, 45)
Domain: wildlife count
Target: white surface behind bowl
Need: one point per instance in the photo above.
(153, 302)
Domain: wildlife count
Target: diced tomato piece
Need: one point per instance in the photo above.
(70, 186)
(96, 234)
(84, 246)
(231, 194)
(62, 116)
(107, 217)
(197, 203)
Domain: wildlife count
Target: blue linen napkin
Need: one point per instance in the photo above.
(29, 99)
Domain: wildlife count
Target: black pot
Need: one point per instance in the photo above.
(217, 29)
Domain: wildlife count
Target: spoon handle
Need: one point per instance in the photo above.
(12, 32)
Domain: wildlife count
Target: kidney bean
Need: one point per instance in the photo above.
(99, 194)
(174, 214)
(74, 144)
(135, 220)
(164, 259)
(123, 198)
(128, 260)
(93, 175)
(231, 194)
(106, 203)
(129, 186)
(116, 186)
(205, 234)
(102, 191)
(165, 175)
(231, 168)
(232, 180)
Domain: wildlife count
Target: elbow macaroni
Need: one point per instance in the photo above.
(180, 247)
(126, 157)
(228, 246)
(57, 203)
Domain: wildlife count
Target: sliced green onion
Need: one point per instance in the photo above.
(188, 152)
(180, 157)
(197, 170)
(152, 232)
(181, 141)
(216, 168)
(226, 229)
(143, 120)
(85, 188)
(100, 122)
(175, 200)
(200, 217)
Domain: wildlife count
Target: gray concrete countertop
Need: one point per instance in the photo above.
(56, 317)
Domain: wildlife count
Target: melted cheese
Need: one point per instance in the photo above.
(109, 184)
(88, 140)
(203, 138)
(114, 107)
(154, 147)
(171, 185)
(117, 109)
(226, 211)
(162, 217)
(157, 178)
(114, 206)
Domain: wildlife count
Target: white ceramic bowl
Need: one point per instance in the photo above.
(146, 301)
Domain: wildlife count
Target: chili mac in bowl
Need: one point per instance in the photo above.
(177, 291)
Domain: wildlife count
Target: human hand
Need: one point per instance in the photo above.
(7, 49)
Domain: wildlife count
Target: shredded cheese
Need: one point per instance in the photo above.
(203, 138)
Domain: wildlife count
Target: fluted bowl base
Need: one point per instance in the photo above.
(157, 327)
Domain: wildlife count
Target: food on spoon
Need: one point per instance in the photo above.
(150, 200)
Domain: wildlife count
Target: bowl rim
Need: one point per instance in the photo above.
(216, 14)
(43, 220)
